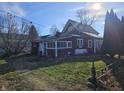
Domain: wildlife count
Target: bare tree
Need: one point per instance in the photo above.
(84, 17)
(14, 33)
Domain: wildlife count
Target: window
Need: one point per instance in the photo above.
(60, 44)
(51, 45)
(64, 44)
(80, 43)
(89, 43)
(69, 44)
(70, 28)
(45, 45)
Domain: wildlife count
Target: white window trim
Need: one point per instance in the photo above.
(68, 43)
(80, 46)
(89, 44)
(52, 47)
(62, 47)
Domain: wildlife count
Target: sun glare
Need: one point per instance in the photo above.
(97, 6)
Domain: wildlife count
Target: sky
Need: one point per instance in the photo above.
(46, 14)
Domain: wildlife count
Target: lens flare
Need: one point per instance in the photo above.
(97, 6)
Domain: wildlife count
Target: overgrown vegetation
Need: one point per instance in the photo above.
(32, 73)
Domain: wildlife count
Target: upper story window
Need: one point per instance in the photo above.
(70, 27)
(89, 43)
(80, 43)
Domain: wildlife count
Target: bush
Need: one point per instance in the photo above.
(6, 54)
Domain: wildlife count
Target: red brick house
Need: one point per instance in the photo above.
(75, 38)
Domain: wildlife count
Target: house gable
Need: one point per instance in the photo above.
(71, 25)
(67, 27)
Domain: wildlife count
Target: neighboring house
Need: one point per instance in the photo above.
(76, 38)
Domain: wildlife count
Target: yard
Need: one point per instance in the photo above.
(33, 73)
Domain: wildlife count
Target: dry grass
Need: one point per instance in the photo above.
(32, 73)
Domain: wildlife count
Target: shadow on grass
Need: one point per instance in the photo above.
(32, 62)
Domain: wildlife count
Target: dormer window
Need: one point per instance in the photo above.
(70, 28)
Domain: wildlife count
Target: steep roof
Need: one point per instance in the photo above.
(80, 27)
(81, 30)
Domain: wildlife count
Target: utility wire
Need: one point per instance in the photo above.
(2, 11)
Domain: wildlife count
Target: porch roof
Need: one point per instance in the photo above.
(54, 38)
